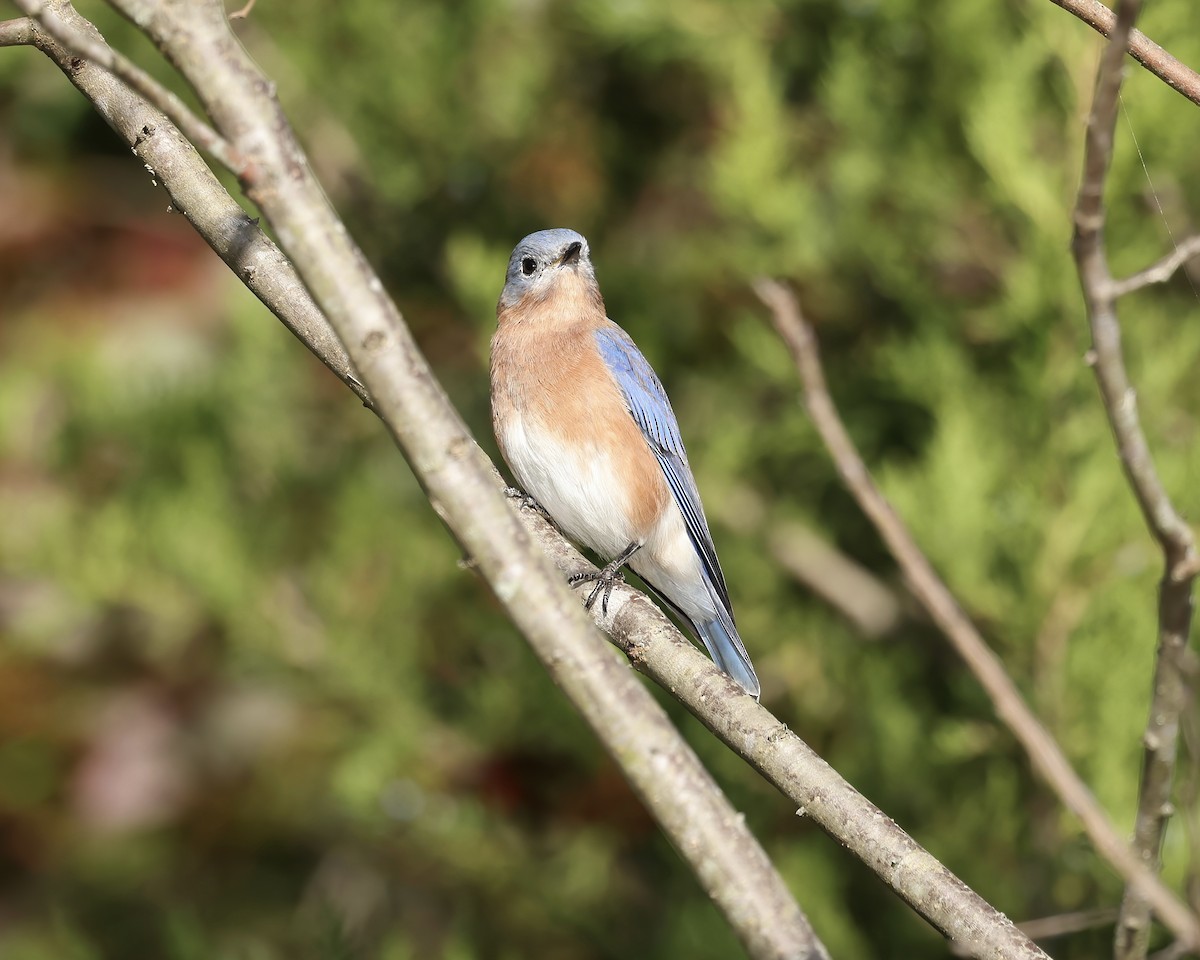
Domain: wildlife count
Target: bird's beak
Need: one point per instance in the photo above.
(571, 254)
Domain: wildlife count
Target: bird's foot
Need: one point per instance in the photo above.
(526, 500)
(605, 579)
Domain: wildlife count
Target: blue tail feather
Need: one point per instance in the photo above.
(725, 647)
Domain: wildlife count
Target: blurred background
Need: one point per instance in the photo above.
(252, 707)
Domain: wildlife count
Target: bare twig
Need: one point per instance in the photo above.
(870, 605)
(1059, 925)
(1043, 751)
(1043, 928)
(710, 835)
(244, 12)
(1176, 951)
(197, 194)
(1176, 74)
(1159, 272)
(87, 42)
(16, 33)
(850, 589)
(1169, 692)
(652, 642)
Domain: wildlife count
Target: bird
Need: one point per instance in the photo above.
(587, 430)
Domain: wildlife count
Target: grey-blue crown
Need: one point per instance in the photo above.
(540, 250)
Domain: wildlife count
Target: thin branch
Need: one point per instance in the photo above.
(1044, 753)
(244, 12)
(16, 33)
(1045, 928)
(91, 45)
(1175, 538)
(651, 641)
(710, 835)
(1059, 925)
(1159, 272)
(196, 193)
(866, 602)
(1176, 74)
(1176, 951)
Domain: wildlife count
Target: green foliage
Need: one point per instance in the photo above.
(251, 705)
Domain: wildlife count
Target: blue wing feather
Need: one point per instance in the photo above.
(650, 408)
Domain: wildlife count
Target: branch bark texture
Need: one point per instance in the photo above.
(1159, 272)
(1169, 694)
(1044, 752)
(1174, 73)
(710, 835)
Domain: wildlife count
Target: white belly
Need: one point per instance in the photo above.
(584, 493)
(579, 486)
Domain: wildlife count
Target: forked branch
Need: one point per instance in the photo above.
(1169, 693)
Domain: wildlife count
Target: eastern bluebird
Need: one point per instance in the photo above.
(589, 433)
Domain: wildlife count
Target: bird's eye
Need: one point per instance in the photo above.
(528, 265)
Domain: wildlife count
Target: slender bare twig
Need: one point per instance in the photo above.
(1043, 928)
(244, 12)
(16, 33)
(91, 45)
(709, 834)
(871, 606)
(1059, 925)
(1043, 751)
(1159, 272)
(1169, 691)
(1176, 74)
(638, 627)
(1176, 951)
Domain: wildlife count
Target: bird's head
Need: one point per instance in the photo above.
(547, 264)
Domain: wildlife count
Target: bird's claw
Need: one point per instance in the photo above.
(605, 580)
(526, 500)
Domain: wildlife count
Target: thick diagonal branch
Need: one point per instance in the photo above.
(1170, 692)
(1043, 751)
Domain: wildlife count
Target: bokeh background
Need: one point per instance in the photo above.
(252, 706)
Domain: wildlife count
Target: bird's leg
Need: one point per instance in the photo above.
(526, 500)
(606, 579)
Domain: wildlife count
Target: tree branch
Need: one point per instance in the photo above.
(88, 43)
(867, 603)
(1176, 74)
(1044, 753)
(16, 33)
(1159, 272)
(658, 649)
(709, 834)
(638, 627)
(197, 194)
(1169, 692)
